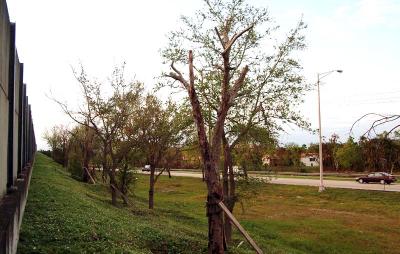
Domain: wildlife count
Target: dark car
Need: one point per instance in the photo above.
(377, 177)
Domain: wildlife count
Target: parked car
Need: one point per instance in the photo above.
(146, 168)
(377, 177)
(237, 170)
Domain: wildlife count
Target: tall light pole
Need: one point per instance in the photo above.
(321, 162)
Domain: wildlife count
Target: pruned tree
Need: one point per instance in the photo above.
(243, 82)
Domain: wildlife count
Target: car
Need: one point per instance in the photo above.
(377, 177)
(146, 168)
(237, 170)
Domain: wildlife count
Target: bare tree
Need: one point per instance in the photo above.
(380, 121)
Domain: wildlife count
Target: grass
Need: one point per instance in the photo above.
(66, 216)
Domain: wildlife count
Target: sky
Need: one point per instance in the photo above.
(360, 37)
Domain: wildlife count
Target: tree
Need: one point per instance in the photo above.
(294, 152)
(380, 153)
(230, 98)
(333, 147)
(378, 147)
(82, 145)
(349, 155)
(58, 140)
(158, 129)
(107, 114)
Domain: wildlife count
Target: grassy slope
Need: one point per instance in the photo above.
(63, 215)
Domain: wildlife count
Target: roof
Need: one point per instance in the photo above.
(308, 154)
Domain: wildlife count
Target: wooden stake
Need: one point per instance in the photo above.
(241, 229)
(120, 193)
(91, 178)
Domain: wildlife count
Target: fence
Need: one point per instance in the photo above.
(17, 137)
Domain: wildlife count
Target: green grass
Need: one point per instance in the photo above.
(66, 216)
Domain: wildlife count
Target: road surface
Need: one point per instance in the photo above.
(315, 182)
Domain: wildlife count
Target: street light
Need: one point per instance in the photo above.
(321, 162)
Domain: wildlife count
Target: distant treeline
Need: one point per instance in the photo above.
(381, 153)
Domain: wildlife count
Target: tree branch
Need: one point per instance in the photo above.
(238, 84)
(235, 37)
(219, 37)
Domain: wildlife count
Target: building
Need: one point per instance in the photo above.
(310, 159)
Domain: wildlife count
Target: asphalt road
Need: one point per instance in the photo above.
(315, 182)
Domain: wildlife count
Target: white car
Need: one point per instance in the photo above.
(146, 168)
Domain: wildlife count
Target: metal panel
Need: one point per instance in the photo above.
(11, 84)
(4, 49)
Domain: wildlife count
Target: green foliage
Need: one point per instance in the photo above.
(126, 178)
(249, 158)
(267, 100)
(57, 139)
(249, 188)
(75, 166)
(293, 155)
(381, 153)
(349, 155)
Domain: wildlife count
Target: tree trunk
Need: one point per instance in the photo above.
(210, 151)
(214, 212)
(151, 189)
(85, 176)
(65, 156)
(232, 196)
(228, 187)
(246, 176)
(215, 195)
(113, 190)
(110, 171)
(105, 166)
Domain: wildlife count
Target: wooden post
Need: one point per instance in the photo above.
(120, 193)
(241, 229)
(91, 178)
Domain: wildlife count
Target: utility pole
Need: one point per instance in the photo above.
(321, 161)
